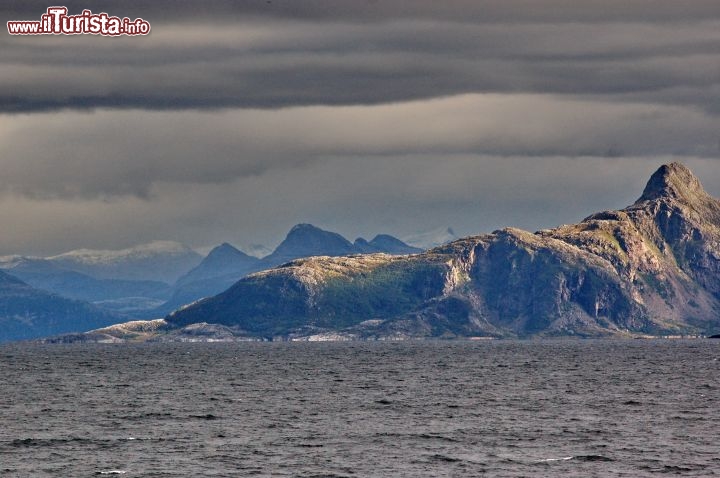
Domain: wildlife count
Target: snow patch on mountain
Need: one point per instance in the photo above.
(142, 251)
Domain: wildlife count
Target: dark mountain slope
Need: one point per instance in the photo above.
(27, 313)
(222, 267)
(305, 240)
(46, 275)
(222, 260)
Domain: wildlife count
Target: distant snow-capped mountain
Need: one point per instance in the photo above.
(162, 261)
(106, 256)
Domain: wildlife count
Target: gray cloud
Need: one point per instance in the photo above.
(399, 195)
(251, 54)
(235, 120)
(113, 153)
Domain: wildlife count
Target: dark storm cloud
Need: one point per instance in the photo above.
(233, 120)
(399, 195)
(116, 153)
(277, 54)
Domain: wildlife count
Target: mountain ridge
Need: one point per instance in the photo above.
(651, 268)
(162, 261)
(225, 264)
(305, 240)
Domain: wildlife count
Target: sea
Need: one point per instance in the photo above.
(545, 408)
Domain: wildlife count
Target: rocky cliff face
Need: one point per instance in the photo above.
(651, 268)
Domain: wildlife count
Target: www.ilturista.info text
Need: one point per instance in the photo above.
(57, 22)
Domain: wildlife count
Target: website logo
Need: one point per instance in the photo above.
(57, 22)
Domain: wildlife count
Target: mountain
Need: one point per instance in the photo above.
(221, 260)
(102, 277)
(27, 313)
(383, 243)
(130, 281)
(163, 261)
(46, 275)
(225, 264)
(652, 268)
(220, 269)
(429, 239)
(305, 240)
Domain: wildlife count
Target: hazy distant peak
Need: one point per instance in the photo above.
(386, 237)
(226, 251)
(383, 243)
(392, 245)
(307, 236)
(223, 260)
(224, 248)
(306, 245)
(305, 230)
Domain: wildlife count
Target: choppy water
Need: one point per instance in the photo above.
(566, 408)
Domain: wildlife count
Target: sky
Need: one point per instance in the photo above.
(234, 120)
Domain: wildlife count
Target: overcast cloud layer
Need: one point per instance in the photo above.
(232, 121)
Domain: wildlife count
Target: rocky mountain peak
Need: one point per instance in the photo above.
(224, 255)
(673, 181)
